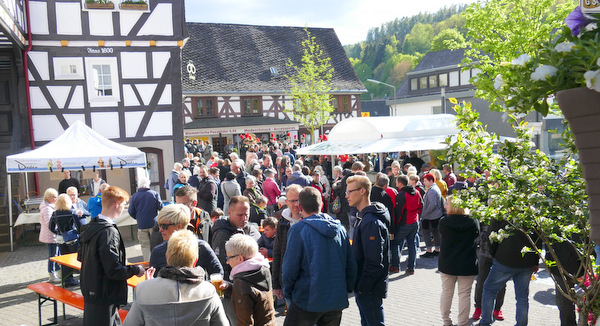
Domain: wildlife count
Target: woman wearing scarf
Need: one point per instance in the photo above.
(179, 295)
(251, 292)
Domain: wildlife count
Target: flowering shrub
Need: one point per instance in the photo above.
(569, 59)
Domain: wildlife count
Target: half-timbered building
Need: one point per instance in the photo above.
(234, 82)
(115, 67)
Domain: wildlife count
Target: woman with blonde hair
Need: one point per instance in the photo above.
(457, 261)
(171, 219)
(65, 223)
(439, 180)
(179, 295)
(46, 236)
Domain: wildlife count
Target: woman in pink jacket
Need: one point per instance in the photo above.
(271, 191)
(46, 236)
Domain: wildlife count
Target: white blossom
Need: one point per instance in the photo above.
(543, 72)
(592, 80)
(590, 27)
(521, 60)
(498, 82)
(564, 47)
(598, 62)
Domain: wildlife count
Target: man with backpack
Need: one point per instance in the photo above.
(405, 225)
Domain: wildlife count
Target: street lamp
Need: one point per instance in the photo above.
(382, 83)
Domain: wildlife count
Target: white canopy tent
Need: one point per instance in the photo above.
(78, 148)
(386, 134)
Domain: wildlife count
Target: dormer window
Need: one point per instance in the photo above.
(274, 72)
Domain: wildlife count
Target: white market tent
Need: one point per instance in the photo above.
(78, 148)
(386, 134)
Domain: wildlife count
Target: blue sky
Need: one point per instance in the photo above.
(351, 19)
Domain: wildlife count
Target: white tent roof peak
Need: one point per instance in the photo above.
(386, 134)
(79, 146)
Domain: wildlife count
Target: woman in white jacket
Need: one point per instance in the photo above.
(46, 236)
(179, 295)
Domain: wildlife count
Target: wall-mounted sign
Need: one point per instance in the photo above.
(191, 69)
(100, 50)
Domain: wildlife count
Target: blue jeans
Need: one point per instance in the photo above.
(405, 234)
(597, 254)
(499, 275)
(370, 308)
(52, 252)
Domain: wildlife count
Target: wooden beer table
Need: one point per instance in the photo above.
(70, 260)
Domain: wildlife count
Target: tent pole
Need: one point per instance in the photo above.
(10, 221)
(380, 162)
(26, 185)
(332, 164)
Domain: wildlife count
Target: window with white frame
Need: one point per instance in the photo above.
(68, 68)
(102, 79)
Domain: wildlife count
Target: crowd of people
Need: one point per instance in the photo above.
(276, 224)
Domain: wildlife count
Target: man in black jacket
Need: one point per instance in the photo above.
(104, 269)
(509, 263)
(371, 248)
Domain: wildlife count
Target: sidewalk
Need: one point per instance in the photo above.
(412, 300)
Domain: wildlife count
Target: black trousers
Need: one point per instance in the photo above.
(298, 317)
(101, 314)
(566, 307)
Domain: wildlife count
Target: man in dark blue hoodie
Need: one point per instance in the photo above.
(371, 250)
(317, 285)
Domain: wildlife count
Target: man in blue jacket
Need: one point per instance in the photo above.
(314, 281)
(371, 250)
(144, 207)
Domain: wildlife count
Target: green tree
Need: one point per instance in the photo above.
(310, 86)
(501, 30)
(533, 193)
(419, 39)
(447, 38)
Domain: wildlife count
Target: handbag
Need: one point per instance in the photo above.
(68, 237)
(336, 206)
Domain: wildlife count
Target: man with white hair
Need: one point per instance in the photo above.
(144, 207)
(173, 177)
(240, 174)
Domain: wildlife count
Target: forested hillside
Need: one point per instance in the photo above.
(395, 48)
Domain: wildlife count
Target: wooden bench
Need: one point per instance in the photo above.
(50, 292)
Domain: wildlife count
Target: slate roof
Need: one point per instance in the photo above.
(433, 60)
(376, 108)
(232, 58)
(235, 122)
(440, 58)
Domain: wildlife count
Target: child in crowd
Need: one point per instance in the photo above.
(265, 243)
(258, 210)
(251, 292)
(215, 214)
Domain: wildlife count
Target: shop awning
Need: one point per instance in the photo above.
(216, 126)
(385, 134)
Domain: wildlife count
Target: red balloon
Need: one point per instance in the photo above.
(242, 136)
(295, 136)
(288, 134)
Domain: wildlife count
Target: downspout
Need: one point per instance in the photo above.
(27, 94)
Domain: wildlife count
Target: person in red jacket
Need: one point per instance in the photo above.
(405, 225)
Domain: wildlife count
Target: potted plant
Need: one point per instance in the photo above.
(99, 4)
(134, 5)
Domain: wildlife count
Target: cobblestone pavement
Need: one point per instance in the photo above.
(412, 300)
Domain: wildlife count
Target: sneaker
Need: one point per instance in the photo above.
(498, 315)
(436, 252)
(476, 314)
(428, 255)
(394, 270)
(71, 282)
(53, 278)
(410, 271)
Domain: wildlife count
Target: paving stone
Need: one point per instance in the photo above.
(412, 299)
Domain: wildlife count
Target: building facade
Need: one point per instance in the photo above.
(115, 67)
(234, 80)
(441, 75)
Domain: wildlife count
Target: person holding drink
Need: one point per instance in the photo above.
(251, 291)
(179, 295)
